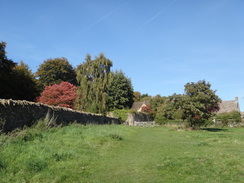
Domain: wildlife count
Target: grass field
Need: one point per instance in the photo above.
(113, 153)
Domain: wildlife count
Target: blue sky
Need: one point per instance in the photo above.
(160, 44)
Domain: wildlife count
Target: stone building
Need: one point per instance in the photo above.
(229, 106)
(137, 106)
(139, 118)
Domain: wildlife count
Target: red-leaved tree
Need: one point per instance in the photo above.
(63, 95)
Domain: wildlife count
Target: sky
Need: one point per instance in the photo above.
(159, 44)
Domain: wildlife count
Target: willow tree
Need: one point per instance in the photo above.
(94, 78)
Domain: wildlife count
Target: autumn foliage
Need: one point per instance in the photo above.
(146, 108)
(63, 95)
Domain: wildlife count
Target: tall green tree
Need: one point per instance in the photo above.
(197, 104)
(94, 78)
(54, 71)
(16, 81)
(173, 107)
(120, 92)
(6, 74)
(26, 85)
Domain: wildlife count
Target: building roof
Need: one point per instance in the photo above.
(137, 105)
(229, 106)
(242, 114)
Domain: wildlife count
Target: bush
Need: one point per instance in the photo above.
(63, 95)
(160, 119)
(227, 117)
(122, 114)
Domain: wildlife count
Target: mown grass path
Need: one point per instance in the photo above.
(122, 154)
(165, 155)
(135, 160)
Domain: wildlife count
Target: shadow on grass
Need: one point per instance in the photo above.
(214, 129)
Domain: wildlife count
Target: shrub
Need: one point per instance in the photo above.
(63, 95)
(122, 114)
(160, 119)
(226, 117)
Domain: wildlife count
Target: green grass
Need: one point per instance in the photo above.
(116, 153)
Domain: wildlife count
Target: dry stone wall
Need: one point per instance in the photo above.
(139, 119)
(17, 114)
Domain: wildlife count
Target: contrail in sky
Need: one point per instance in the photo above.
(105, 16)
(158, 14)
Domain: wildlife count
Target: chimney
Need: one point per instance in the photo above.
(236, 99)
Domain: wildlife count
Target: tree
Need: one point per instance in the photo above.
(63, 95)
(16, 81)
(145, 97)
(2, 51)
(26, 84)
(54, 71)
(6, 74)
(198, 104)
(94, 78)
(137, 96)
(157, 104)
(120, 92)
